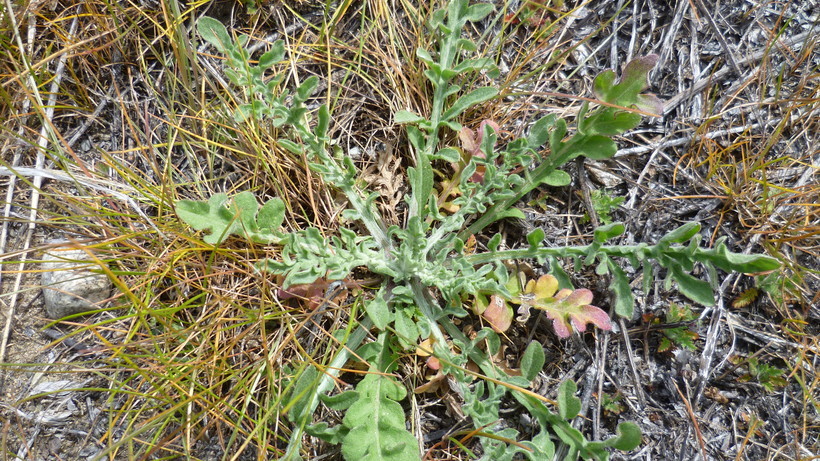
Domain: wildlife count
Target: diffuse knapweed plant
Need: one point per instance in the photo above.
(429, 272)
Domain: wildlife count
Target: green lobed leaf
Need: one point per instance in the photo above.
(306, 89)
(602, 268)
(557, 271)
(211, 216)
(628, 438)
(542, 445)
(447, 154)
(243, 113)
(681, 234)
(535, 237)
(406, 329)
(489, 335)
(271, 216)
(721, 257)
(424, 55)
(340, 401)
(510, 213)
(332, 435)
(406, 116)
(421, 182)
(626, 92)
(378, 311)
(557, 178)
(568, 405)
(669, 257)
(437, 19)
(416, 137)
(478, 11)
(540, 131)
(274, 55)
(612, 122)
(596, 147)
(474, 65)
(376, 423)
(609, 231)
(242, 218)
(624, 302)
(557, 134)
(246, 205)
(322, 122)
(451, 124)
(465, 44)
(494, 242)
(697, 290)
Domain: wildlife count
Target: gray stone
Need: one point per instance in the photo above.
(69, 285)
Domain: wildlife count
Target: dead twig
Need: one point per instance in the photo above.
(701, 84)
(694, 420)
(46, 133)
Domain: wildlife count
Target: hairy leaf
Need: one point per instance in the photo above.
(557, 178)
(627, 92)
(624, 302)
(405, 116)
(468, 100)
(568, 405)
(498, 314)
(376, 423)
(242, 217)
(215, 33)
(532, 361)
(628, 438)
(721, 257)
(596, 147)
(567, 308)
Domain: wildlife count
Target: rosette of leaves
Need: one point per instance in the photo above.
(426, 269)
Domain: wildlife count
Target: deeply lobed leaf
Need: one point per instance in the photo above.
(376, 423)
(242, 217)
(568, 309)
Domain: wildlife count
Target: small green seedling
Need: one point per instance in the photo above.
(681, 336)
(603, 204)
(764, 374)
(611, 403)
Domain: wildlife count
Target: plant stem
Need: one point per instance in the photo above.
(566, 153)
(541, 252)
(424, 168)
(371, 220)
(432, 311)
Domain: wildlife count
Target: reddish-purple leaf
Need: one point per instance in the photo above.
(568, 309)
(499, 314)
(471, 145)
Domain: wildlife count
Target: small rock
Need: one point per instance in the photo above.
(69, 286)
